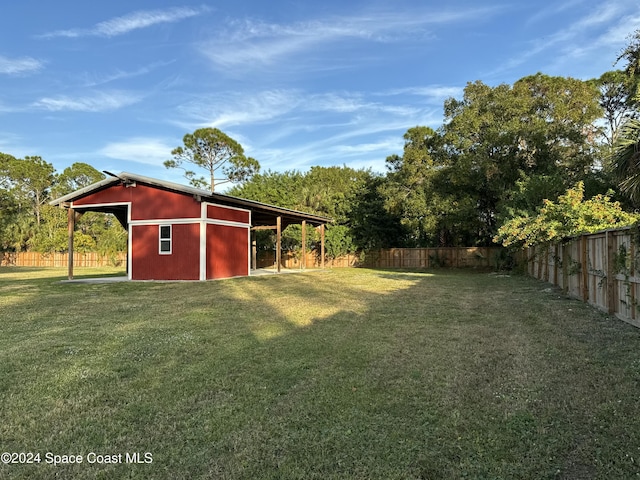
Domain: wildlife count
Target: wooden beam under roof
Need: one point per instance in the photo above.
(265, 227)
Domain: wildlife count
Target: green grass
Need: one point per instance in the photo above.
(348, 373)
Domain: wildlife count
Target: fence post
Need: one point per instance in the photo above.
(610, 273)
(556, 258)
(585, 268)
(546, 263)
(565, 269)
(539, 257)
(632, 274)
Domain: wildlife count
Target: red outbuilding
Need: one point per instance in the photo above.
(177, 232)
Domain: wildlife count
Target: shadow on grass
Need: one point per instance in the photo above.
(346, 374)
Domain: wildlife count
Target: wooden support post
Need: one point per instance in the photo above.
(278, 242)
(264, 227)
(254, 252)
(71, 226)
(611, 281)
(322, 246)
(303, 260)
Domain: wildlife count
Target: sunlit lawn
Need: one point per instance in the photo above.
(337, 374)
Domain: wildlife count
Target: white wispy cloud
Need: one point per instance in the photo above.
(150, 151)
(434, 94)
(238, 108)
(365, 141)
(130, 22)
(582, 36)
(251, 44)
(8, 140)
(334, 150)
(19, 66)
(231, 109)
(6, 108)
(93, 80)
(552, 10)
(96, 102)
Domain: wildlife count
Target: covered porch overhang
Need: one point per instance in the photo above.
(276, 219)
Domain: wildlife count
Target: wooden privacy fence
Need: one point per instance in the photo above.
(452, 257)
(600, 269)
(37, 259)
(267, 259)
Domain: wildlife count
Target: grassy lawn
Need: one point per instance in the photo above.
(348, 373)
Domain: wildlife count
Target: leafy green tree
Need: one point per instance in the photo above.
(335, 192)
(75, 177)
(372, 225)
(412, 190)
(31, 179)
(283, 189)
(617, 92)
(571, 215)
(540, 129)
(631, 55)
(338, 241)
(9, 208)
(51, 235)
(25, 186)
(212, 150)
(332, 191)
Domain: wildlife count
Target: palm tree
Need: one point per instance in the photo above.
(626, 159)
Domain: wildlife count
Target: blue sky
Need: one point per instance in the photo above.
(298, 83)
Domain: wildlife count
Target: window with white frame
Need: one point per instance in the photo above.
(165, 247)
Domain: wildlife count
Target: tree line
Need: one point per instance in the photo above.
(28, 222)
(540, 159)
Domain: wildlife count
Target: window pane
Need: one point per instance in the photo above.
(165, 231)
(165, 245)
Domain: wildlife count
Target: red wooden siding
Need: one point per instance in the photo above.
(182, 264)
(161, 204)
(227, 247)
(146, 202)
(112, 194)
(228, 214)
(227, 251)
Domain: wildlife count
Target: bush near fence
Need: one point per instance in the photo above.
(599, 268)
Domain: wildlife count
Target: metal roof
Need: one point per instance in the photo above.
(262, 213)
